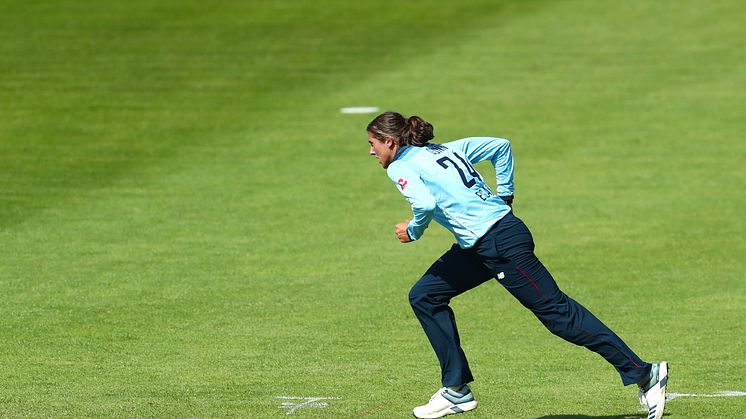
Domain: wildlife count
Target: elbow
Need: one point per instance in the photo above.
(426, 207)
(423, 204)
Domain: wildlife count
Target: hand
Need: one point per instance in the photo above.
(401, 232)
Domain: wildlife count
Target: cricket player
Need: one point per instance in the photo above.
(440, 183)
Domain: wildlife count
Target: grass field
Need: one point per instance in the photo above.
(190, 228)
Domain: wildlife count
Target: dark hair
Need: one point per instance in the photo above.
(406, 131)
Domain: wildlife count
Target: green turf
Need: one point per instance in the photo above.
(189, 227)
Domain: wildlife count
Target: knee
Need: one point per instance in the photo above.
(563, 321)
(424, 298)
(557, 327)
(417, 295)
(421, 299)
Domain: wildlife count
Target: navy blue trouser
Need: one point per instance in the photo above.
(506, 253)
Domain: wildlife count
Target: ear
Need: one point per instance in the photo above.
(390, 142)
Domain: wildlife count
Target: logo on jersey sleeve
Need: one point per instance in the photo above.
(402, 183)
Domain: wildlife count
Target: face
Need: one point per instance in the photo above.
(384, 150)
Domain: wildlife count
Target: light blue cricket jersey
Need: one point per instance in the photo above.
(440, 182)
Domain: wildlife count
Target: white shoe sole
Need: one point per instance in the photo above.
(458, 408)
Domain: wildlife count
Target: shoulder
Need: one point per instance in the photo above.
(399, 168)
(467, 142)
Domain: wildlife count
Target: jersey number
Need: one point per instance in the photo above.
(473, 173)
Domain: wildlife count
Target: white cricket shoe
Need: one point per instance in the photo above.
(446, 402)
(653, 393)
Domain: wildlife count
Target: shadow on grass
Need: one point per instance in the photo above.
(629, 416)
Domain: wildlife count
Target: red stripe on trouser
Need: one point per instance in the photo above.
(525, 275)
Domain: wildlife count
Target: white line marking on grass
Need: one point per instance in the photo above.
(360, 109)
(304, 402)
(726, 393)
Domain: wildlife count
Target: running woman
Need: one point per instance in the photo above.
(440, 183)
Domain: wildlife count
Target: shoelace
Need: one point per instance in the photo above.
(437, 393)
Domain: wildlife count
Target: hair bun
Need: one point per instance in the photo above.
(418, 131)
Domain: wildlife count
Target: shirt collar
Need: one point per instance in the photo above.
(402, 151)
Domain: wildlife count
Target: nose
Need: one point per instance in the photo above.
(371, 151)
